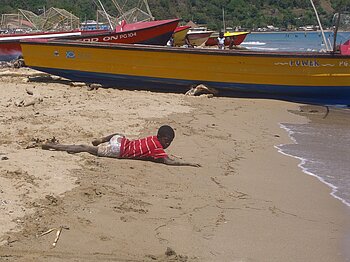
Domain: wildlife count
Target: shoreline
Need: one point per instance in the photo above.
(247, 202)
(301, 164)
(317, 115)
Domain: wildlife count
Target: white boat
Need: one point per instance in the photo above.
(198, 35)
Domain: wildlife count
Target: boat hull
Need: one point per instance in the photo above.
(238, 38)
(308, 78)
(198, 38)
(10, 47)
(147, 33)
(150, 33)
(10, 51)
(180, 35)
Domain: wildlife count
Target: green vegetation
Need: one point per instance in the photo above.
(245, 13)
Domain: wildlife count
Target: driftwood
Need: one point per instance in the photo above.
(4, 64)
(45, 78)
(29, 102)
(16, 63)
(77, 84)
(24, 72)
(89, 87)
(201, 89)
(58, 233)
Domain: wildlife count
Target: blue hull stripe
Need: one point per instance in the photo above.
(8, 58)
(330, 95)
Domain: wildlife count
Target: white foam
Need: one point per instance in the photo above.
(253, 43)
(265, 48)
(304, 169)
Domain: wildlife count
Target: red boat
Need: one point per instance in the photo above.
(345, 48)
(9, 43)
(237, 37)
(150, 33)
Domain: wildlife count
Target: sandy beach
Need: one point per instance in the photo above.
(247, 201)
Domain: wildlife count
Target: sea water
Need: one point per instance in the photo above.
(323, 147)
(324, 152)
(292, 41)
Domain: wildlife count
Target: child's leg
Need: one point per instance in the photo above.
(97, 141)
(105, 139)
(71, 148)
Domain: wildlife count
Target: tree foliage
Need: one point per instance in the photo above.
(245, 13)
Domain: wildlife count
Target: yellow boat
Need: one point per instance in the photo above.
(310, 77)
(180, 35)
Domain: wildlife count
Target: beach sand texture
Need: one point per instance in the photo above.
(246, 203)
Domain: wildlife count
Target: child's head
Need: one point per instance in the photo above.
(221, 34)
(165, 135)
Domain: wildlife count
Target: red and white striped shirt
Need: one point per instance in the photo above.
(148, 147)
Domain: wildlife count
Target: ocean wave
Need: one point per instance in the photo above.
(253, 43)
(265, 48)
(304, 161)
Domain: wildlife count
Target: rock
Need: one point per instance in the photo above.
(31, 102)
(170, 252)
(93, 87)
(28, 102)
(29, 92)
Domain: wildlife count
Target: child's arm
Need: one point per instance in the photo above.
(173, 162)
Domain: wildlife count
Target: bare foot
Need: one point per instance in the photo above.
(47, 146)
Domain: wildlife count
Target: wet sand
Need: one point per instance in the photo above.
(246, 203)
(323, 146)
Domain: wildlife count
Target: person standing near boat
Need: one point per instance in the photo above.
(187, 42)
(171, 41)
(232, 43)
(221, 41)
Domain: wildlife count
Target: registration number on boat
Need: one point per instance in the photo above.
(111, 38)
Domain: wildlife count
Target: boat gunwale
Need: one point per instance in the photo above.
(204, 51)
(237, 33)
(2, 36)
(109, 33)
(183, 28)
(201, 33)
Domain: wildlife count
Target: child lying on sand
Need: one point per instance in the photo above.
(150, 148)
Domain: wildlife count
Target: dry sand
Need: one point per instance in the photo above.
(246, 203)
